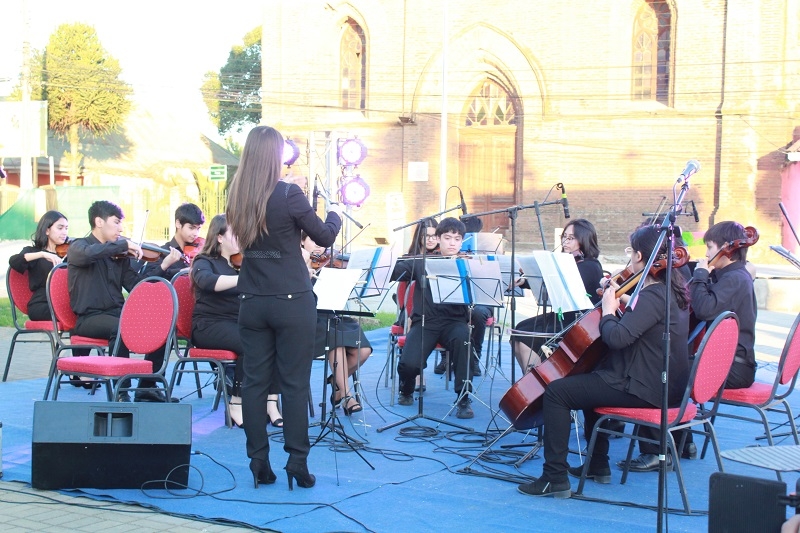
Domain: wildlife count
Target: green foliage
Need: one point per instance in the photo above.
(5, 314)
(233, 96)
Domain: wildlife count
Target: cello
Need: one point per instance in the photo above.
(579, 350)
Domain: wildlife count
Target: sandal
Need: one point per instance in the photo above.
(348, 407)
(278, 422)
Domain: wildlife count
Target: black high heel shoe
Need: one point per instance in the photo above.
(262, 473)
(348, 407)
(300, 473)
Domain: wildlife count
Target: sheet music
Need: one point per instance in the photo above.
(533, 274)
(465, 281)
(333, 287)
(376, 265)
(563, 281)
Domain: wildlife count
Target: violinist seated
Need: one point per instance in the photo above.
(99, 268)
(629, 375)
(578, 238)
(215, 320)
(189, 219)
(348, 346)
(40, 258)
(722, 282)
(445, 324)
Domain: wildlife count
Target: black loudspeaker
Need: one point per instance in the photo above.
(744, 504)
(110, 445)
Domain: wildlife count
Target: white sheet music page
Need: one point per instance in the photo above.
(563, 281)
(333, 287)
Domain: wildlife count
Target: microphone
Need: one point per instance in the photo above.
(472, 224)
(463, 203)
(694, 212)
(564, 200)
(314, 198)
(692, 167)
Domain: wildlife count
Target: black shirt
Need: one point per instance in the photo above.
(154, 268)
(636, 347)
(210, 304)
(95, 279)
(728, 289)
(274, 264)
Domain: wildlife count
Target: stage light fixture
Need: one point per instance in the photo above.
(354, 191)
(290, 152)
(351, 152)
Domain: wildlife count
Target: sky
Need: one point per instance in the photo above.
(163, 46)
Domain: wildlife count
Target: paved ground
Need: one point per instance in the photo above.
(25, 509)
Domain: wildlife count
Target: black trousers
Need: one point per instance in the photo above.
(740, 376)
(39, 311)
(420, 342)
(277, 335)
(106, 326)
(583, 391)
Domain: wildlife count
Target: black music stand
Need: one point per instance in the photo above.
(470, 282)
(332, 288)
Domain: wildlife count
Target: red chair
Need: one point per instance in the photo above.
(395, 331)
(19, 293)
(769, 397)
(217, 359)
(147, 323)
(710, 367)
(65, 319)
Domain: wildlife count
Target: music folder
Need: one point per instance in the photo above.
(563, 281)
(375, 266)
(467, 281)
(333, 288)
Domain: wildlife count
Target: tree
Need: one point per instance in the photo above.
(233, 96)
(81, 84)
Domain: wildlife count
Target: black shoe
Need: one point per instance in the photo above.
(300, 473)
(476, 368)
(152, 395)
(646, 462)
(405, 399)
(615, 425)
(124, 397)
(463, 408)
(540, 487)
(600, 474)
(441, 368)
(689, 451)
(262, 472)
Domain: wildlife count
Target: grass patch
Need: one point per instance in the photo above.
(5, 314)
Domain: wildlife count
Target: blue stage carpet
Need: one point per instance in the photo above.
(418, 483)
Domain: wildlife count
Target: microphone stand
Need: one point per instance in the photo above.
(513, 211)
(424, 286)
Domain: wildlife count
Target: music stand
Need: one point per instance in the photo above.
(332, 288)
(470, 282)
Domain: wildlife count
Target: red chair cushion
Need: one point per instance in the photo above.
(490, 321)
(396, 330)
(652, 416)
(220, 355)
(39, 325)
(77, 339)
(101, 365)
(401, 341)
(757, 394)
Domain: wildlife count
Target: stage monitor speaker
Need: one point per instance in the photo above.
(744, 504)
(110, 445)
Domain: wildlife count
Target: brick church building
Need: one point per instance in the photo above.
(611, 99)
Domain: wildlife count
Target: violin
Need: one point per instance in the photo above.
(727, 249)
(191, 249)
(627, 277)
(150, 253)
(329, 259)
(236, 260)
(63, 248)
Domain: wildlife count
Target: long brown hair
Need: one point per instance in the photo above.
(258, 173)
(217, 227)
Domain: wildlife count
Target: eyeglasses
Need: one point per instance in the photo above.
(430, 236)
(629, 252)
(567, 238)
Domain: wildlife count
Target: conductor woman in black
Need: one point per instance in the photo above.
(277, 313)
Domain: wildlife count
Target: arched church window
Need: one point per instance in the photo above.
(353, 73)
(652, 45)
(491, 107)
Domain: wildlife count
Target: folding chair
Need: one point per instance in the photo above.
(147, 323)
(217, 359)
(710, 367)
(19, 293)
(64, 319)
(769, 397)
